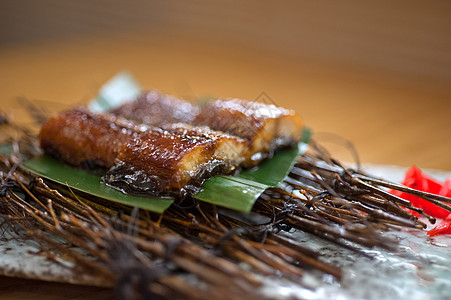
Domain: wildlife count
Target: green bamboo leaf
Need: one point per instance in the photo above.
(235, 192)
(273, 171)
(231, 192)
(116, 91)
(240, 192)
(52, 169)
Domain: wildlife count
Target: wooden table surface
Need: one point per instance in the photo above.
(390, 118)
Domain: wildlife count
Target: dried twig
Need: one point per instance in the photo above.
(146, 255)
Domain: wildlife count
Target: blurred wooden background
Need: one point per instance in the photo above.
(376, 73)
(403, 36)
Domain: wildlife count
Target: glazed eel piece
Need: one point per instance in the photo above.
(175, 160)
(265, 127)
(141, 159)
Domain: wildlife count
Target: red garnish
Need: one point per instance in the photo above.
(444, 227)
(446, 188)
(415, 179)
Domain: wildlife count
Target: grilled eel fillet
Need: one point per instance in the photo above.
(266, 128)
(177, 158)
(141, 159)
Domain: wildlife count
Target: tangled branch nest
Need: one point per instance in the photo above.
(201, 251)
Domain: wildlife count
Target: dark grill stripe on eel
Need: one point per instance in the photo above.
(142, 159)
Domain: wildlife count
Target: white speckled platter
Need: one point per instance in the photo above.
(20, 258)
